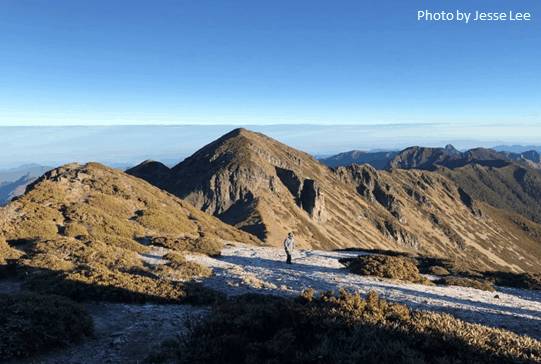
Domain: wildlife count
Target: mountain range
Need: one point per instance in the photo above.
(268, 189)
(431, 158)
(478, 207)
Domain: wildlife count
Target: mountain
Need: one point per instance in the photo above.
(431, 158)
(13, 181)
(505, 180)
(9, 190)
(266, 188)
(511, 187)
(95, 233)
(378, 160)
(102, 203)
(13, 174)
(517, 149)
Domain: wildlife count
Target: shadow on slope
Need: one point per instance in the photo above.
(340, 329)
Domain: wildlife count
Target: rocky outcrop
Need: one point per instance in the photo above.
(370, 186)
(400, 235)
(306, 192)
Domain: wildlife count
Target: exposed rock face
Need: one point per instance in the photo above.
(268, 189)
(312, 200)
(306, 192)
(370, 185)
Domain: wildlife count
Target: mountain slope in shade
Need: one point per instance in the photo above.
(268, 189)
(378, 160)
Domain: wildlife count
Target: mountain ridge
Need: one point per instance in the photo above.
(267, 188)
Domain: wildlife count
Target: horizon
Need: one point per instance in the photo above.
(128, 145)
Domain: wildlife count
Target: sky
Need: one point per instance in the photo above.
(69, 62)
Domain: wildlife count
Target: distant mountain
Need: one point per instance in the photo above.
(266, 188)
(517, 148)
(13, 181)
(8, 190)
(430, 159)
(13, 174)
(378, 160)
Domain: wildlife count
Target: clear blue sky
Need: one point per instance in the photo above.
(262, 62)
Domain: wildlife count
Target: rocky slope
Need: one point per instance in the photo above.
(267, 188)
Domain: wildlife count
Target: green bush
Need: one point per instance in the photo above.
(30, 324)
(339, 329)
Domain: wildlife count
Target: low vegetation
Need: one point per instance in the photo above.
(467, 282)
(398, 265)
(200, 244)
(344, 328)
(393, 267)
(438, 271)
(517, 280)
(179, 269)
(30, 324)
(84, 229)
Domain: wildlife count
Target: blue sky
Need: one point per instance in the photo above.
(263, 62)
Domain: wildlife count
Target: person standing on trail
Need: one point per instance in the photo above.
(289, 245)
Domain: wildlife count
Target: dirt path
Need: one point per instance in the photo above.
(123, 334)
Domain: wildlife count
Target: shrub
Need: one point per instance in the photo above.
(178, 268)
(466, 282)
(6, 252)
(438, 270)
(394, 267)
(203, 245)
(516, 280)
(344, 328)
(33, 323)
(97, 283)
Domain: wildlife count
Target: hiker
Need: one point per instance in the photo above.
(289, 245)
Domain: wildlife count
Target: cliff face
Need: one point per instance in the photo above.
(268, 189)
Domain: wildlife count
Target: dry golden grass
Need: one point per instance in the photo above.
(392, 267)
(6, 252)
(203, 244)
(80, 228)
(344, 328)
(439, 271)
